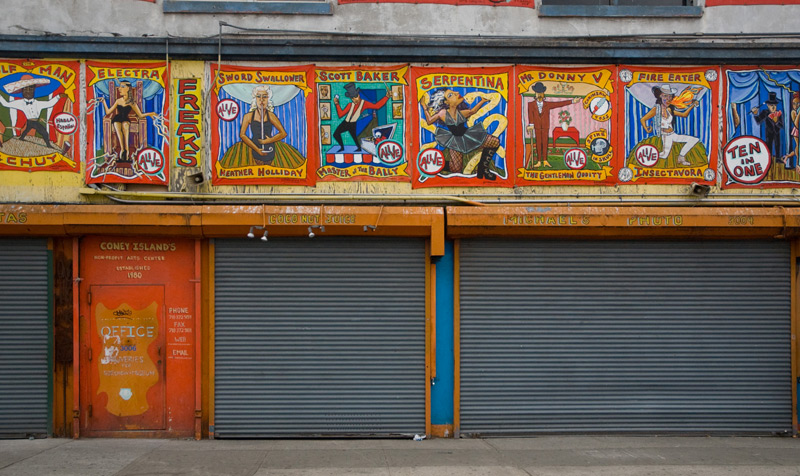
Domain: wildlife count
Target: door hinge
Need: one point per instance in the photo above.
(90, 411)
(89, 297)
(90, 354)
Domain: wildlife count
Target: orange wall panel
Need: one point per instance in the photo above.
(138, 379)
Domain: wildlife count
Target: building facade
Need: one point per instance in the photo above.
(308, 218)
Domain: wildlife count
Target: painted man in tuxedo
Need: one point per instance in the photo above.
(539, 121)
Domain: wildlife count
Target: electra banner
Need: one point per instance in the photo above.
(127, 118)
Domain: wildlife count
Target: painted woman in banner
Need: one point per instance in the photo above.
(450, 114)
(663, 115)
(790, 160)
(261, 137)
(120, 118)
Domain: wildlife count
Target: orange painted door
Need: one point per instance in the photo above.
(126, 358)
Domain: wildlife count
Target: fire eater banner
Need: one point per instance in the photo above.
(39, 115)
(362, 123)
(127, 118)
(566, 125)
(670, 124)
(460, 123)
(262, 125)
(762, 119)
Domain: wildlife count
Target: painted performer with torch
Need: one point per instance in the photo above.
(666, 109)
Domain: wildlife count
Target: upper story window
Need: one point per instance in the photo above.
(619, 8)
(290, 7)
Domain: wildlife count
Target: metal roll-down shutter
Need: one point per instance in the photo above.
(24, 327)
(625, 336)
(321, 336)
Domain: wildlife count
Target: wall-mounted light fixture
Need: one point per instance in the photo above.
(251, 233)
(311, 229)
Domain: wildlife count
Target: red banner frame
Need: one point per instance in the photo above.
(495, 80)
(726, 174)
(395, 79)
(117, 71)
(301, 77)
(596, 87)
(631, 173)
(67, 75)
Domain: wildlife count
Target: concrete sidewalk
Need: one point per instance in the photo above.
(545, 456)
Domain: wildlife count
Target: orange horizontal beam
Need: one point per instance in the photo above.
(622, 222)
(198, 221)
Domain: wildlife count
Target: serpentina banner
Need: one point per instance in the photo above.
(460, 121)
(566, 127)
(362, 123)
(762, 119)
(262, 124)
(127, 119)
(670, 125)
(39, 115)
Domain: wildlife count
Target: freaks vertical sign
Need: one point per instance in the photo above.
(188, 127)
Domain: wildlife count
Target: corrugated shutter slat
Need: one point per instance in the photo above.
(616, 336)
(24, 330)
(319, 337)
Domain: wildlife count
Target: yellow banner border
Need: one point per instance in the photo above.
(605, 82)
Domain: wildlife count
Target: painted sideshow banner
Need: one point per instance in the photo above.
(260, 125)
(460, 127)
(127, 118)
(188, 137)
(565, 125)
(762, 119)
(670, 125)
(362, 118)
(39, 115)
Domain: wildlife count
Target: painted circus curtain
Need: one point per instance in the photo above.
(289, 106)
(761, 110)
(749, 89)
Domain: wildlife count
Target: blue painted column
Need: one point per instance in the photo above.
(442, 388)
